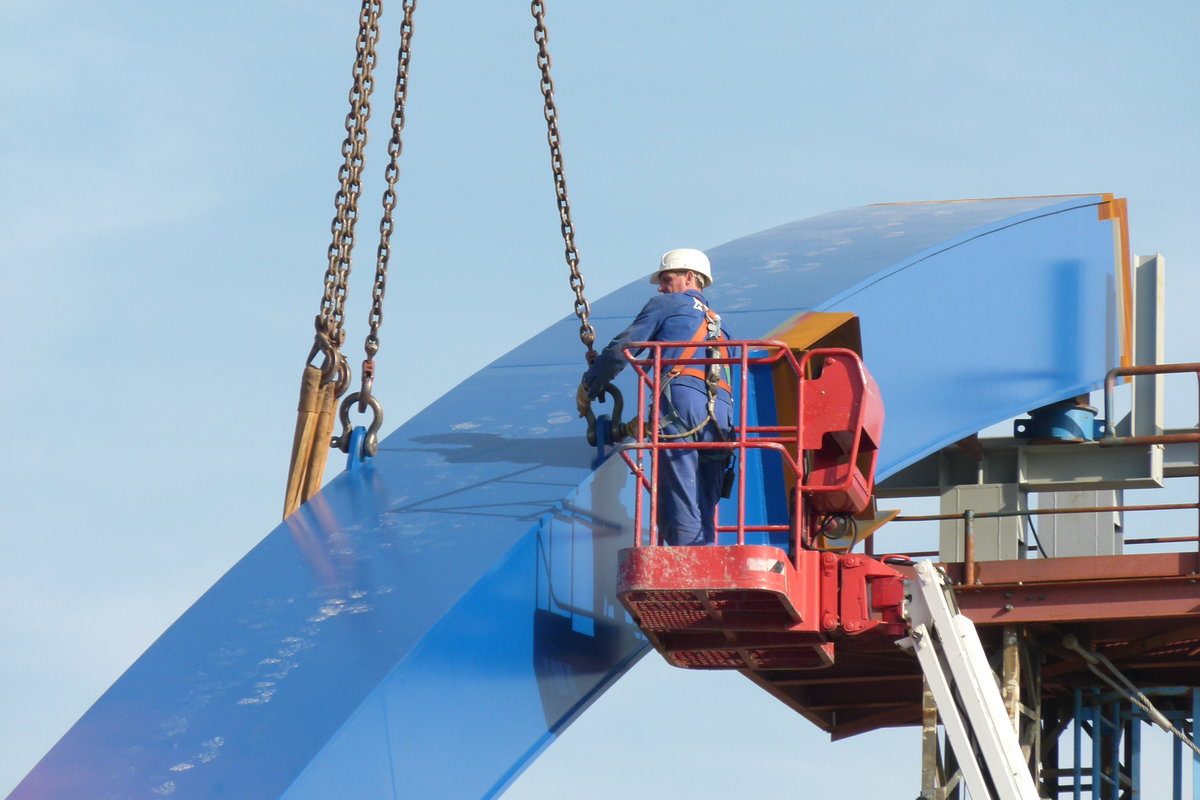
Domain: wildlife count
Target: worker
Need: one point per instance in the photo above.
(696, 404)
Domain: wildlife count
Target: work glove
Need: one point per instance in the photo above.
(583, 401)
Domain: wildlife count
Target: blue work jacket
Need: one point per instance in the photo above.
(664, 318)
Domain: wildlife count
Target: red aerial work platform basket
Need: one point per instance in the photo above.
(752, 606)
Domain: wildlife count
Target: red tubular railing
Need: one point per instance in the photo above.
(786, 440)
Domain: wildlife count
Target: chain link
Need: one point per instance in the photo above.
(386, 224)
(330, 319)
(587, 333)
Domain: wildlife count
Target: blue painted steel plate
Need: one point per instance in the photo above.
(428, 623)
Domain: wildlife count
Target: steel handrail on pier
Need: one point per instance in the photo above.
(1110, 439)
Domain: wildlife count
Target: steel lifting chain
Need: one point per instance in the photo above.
(320, 387)
(386, 225)
(587, 334)
(364, 397)
(330, 334)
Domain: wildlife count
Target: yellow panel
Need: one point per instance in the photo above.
(807, 331)
(820, 329)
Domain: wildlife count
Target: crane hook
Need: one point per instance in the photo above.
(605, 430)
(371, 443)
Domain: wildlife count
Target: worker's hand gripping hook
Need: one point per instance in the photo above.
(605, 430)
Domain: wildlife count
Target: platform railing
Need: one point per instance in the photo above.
(644, 454)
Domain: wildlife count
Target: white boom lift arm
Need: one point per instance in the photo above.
(964, 688)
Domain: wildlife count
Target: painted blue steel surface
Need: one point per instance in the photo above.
(430, 621)
(960, 331)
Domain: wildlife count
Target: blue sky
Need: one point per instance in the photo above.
(168, 174)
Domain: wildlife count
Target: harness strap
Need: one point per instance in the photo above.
(710, 328)
(695, 372)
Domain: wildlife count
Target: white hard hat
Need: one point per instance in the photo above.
(685, 258)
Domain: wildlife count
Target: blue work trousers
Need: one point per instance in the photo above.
(689, 481)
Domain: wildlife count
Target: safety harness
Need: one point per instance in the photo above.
(709, 330)
(715, 376)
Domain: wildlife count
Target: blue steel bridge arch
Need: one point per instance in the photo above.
(456, 595)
